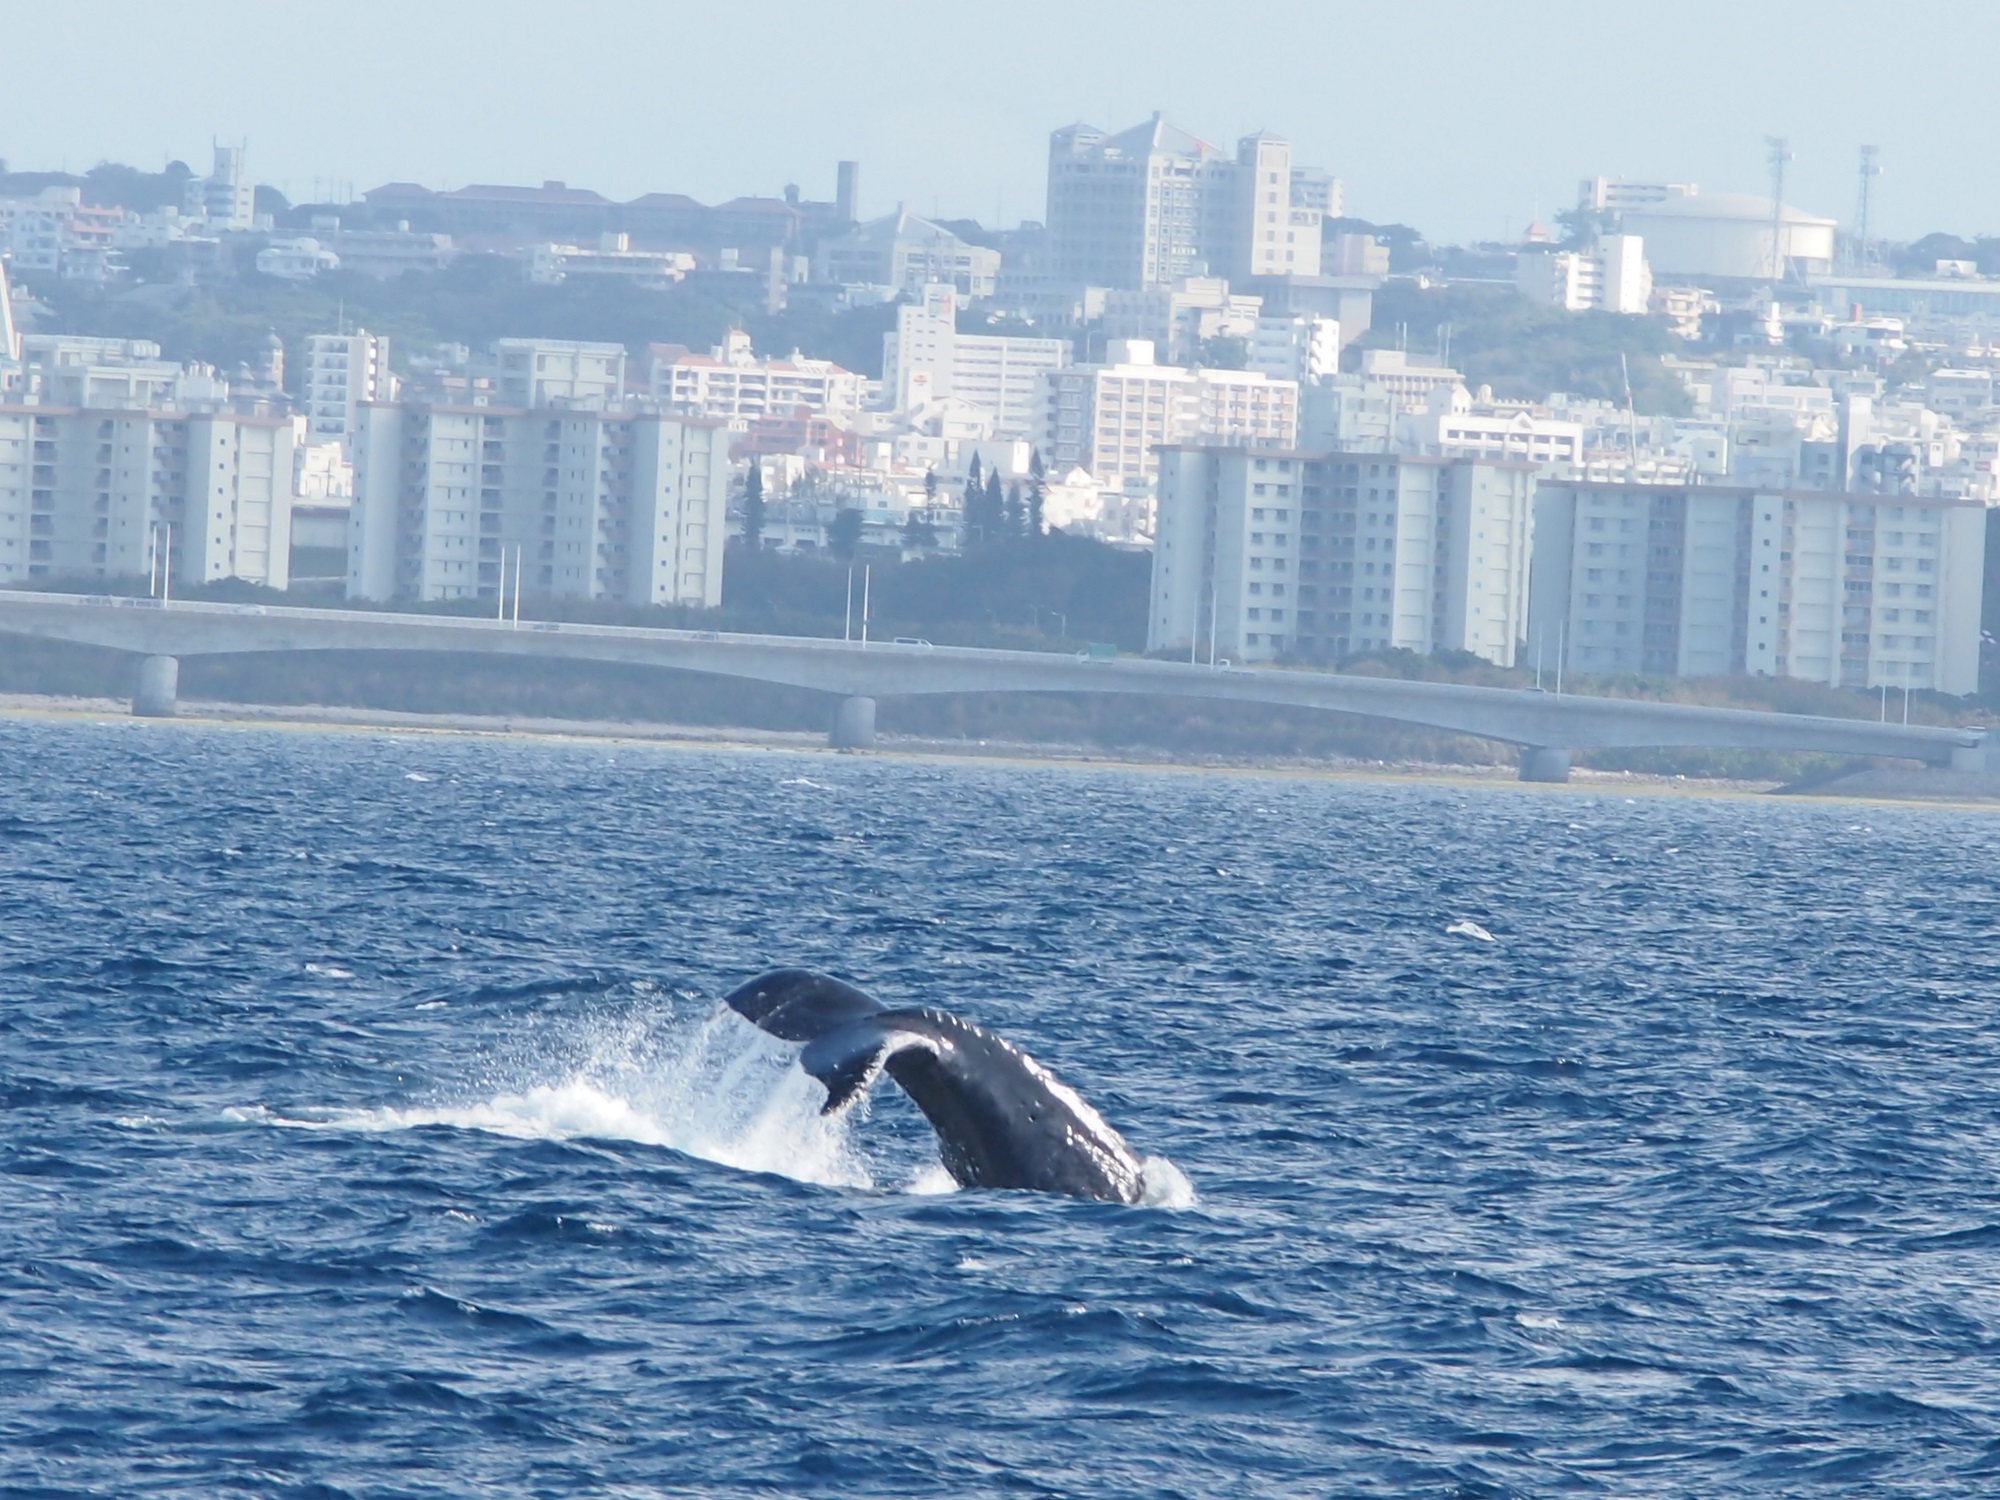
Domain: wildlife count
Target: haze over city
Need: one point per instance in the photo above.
(1459, 119)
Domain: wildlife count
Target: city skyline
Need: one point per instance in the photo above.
(963, 130)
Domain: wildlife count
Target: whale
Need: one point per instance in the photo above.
(1002, 1119)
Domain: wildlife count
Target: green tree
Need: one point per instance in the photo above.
(1014, 518)
(753, 506)
(919, 535)
(974, 523)
(994, 509)
(1038, 495)
(1224, 352)
(844, 535)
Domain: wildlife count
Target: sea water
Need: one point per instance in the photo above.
(371, 1129)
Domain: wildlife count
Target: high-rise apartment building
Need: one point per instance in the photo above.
(102, 493)
(1154, 204)
(342, 371)
(1262, 553)
(1861, 591)
(928, 359)
(1112, 419)
(588, 503)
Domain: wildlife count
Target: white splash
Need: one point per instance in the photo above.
(719, 1091)
(1164, 1185)
(929, 1181)
(1465, 927)
(415, 776)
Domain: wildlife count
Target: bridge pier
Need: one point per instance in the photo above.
(1544, 763)
(853, 724)
(158, 686)
(1968, 758)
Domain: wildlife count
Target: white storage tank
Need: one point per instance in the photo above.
(1728, 234)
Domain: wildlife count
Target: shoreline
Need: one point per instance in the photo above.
(1889, 786)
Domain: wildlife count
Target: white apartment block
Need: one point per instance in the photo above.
(107, 374)
(226, 197)
(1615, 195)
(1859, 591)
(1455, 425)
(612, 258)
(927, 359)
(1180, 317)
(343, 371)
(1265, 553)
(1153, 204)
(616, 504)
(1408, 386)
(1113, 419)
(90, 494)
(1302, 347)
(731, 384)
(56, 233)
(557, 372)
(1611, 276)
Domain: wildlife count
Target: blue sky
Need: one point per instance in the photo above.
(1462, 118)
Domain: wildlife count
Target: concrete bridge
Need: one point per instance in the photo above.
(1546, 726)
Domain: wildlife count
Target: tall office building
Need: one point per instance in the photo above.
(588, 503)
(1861, 591)
(1262, 553)
(1154, 204)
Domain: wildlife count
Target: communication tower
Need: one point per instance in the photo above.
(1870, 170)
(1780, 153)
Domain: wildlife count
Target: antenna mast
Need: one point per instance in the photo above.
(1780, 153)
(1870, 170)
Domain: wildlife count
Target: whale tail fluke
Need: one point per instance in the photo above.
(849, 1058)
(797, 1005)
(1001, 1119)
